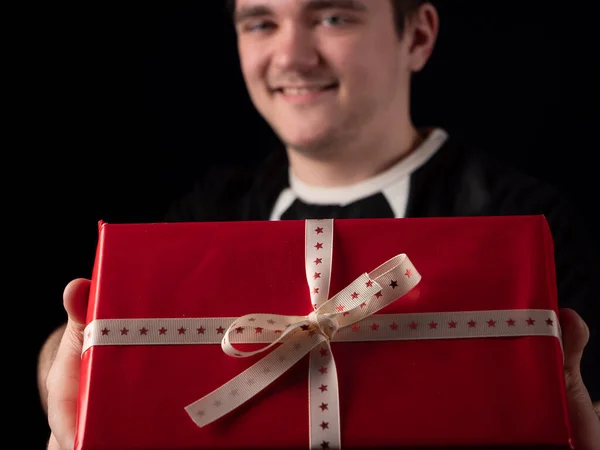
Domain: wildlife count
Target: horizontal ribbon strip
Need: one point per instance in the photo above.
(379, 327)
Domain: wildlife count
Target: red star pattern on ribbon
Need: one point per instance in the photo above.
(143, 331)
(452, 324)
(393, 284)
(323, 370)
(472, 323)
(323, 387)
(124, 332)
(319, 245)
(491, 323)
(220, 330)
(510, 322)
(319, 230)
(549, 322)
(530, 321)
(200, 330)
(317, 275)
(324, 425)
(162, 331)
(318, 261)
(181, 330)
(105, 331)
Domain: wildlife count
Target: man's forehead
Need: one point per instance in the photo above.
(275, 5)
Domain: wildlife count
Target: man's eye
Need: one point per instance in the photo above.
(259, 26)
(335, 21)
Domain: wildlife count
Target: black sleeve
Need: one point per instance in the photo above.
(578, 277)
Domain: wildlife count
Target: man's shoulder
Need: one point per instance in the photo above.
(483, 182)
(230, 192)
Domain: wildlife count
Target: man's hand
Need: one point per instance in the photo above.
(584, 418)
(62, 381)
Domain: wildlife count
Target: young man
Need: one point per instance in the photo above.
(332, 77)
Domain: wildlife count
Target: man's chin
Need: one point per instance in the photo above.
(308, 143)
(303, 133)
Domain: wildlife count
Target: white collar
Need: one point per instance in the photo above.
(348, 194)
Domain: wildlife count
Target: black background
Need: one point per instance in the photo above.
(124, 104)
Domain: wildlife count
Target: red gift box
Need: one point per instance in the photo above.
(386, 333)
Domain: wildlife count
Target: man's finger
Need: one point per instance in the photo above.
(53, 443)
(63, 378)
(584, 421)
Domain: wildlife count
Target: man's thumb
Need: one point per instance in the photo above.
(75, 299)
(583, 418)
(575, 335)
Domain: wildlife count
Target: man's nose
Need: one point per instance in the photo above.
(295, 49)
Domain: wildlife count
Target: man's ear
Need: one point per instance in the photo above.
(421, 32)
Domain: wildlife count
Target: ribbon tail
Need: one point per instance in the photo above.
(253, 380)
(324, 405)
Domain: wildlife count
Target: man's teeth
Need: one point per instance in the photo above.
(302, 91)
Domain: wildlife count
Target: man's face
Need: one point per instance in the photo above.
(321, 70)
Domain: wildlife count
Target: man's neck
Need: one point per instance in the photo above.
(357, 161)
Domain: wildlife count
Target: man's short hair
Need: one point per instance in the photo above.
(402, 10)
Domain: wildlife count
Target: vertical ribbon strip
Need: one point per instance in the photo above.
(324, 416)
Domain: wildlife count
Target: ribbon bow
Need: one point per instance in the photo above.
(297, 336)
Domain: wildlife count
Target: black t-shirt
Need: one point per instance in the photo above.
(454, 181)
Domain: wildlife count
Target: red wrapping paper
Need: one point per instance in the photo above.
(486, 392)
